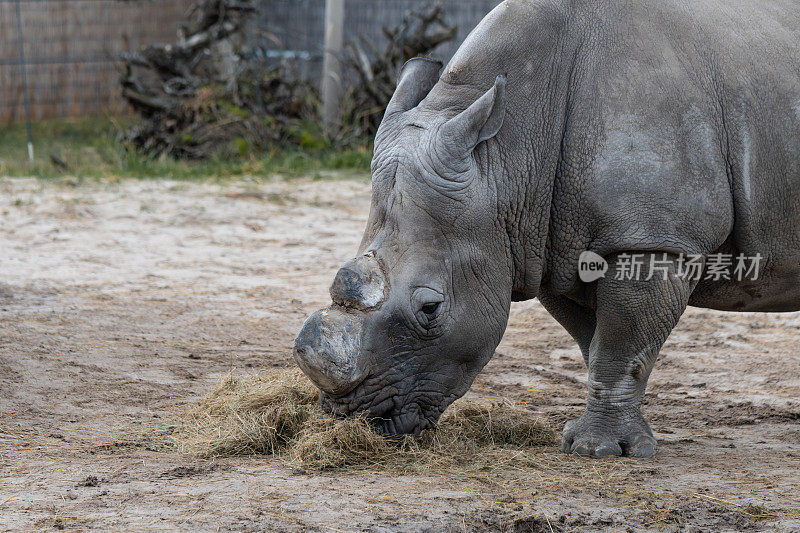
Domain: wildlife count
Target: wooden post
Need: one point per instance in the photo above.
(332, 83)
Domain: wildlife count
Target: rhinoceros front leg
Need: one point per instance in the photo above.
(579, 322)
(633, 319)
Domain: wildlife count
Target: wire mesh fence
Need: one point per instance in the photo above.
(72, 48)
(294, 30)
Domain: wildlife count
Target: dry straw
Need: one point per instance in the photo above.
(256, 415)
(496, 445)
(277, 413)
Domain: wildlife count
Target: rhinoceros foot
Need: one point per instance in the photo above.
(601, 435)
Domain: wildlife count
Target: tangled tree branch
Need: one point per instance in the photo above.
(419, 34)
(204, 92)
(199, 94)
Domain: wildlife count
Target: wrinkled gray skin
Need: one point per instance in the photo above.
(639, 126)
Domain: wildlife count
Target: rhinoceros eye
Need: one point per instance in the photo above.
(427, 304)
(430, 309)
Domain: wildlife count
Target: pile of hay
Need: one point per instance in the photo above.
(257, 415)
(277, 413)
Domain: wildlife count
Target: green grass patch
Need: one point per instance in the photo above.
(88, 148)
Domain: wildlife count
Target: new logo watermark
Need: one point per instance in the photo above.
(692, 267)
(591, 267)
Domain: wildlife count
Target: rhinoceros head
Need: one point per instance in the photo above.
(420, 311)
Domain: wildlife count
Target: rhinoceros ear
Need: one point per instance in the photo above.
(417, 78)
(479, 122)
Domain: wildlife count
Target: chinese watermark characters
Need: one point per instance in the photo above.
(691, 267)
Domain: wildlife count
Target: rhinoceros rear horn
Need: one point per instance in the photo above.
(479, 122)
(417, 78)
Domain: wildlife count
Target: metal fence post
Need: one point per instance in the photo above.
(332, 66)
(26, 95)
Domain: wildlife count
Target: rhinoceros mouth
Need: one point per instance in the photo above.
(409, 422)
(393, 415)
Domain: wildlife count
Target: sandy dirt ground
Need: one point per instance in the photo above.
(120, 302)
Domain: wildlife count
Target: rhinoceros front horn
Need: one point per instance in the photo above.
(328, 351)
(417, 78)
(328, 348)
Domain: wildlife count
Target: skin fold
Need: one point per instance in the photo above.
(653, 127)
